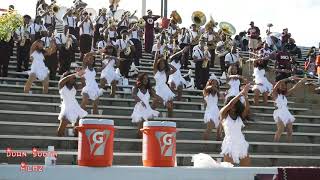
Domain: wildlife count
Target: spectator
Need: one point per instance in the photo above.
(293, 49)
(285, 36)
(283, 65)
(253, 33)
(310, 64)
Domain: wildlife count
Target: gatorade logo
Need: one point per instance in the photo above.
(97, 140)
(166, 141)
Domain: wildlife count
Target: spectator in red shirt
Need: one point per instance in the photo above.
(254, 34)
(283, 64)
(285, 36)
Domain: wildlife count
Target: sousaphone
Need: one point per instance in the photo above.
(227, 28)
(176, 17)
(198, 18)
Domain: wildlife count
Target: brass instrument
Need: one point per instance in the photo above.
(195, 40)
(141, 23)
(24, 36)
(69, 40)
(227, 29)
(211, 24)
(206, 54)
(176, 17)
(198, 18)
(91, 13)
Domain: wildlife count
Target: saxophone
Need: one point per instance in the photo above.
(25, 35)
(127, 50)
(206, 56)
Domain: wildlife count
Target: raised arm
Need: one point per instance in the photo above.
(64, 80)
(172, 69)
(155, 63)
(224, 111)
(296, 86)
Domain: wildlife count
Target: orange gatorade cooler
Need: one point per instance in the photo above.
(95, 143)
(318, 64)
(159, 144)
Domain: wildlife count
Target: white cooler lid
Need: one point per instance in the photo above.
(97, 121)
(159, 124)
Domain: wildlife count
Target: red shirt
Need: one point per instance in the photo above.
(283, 60)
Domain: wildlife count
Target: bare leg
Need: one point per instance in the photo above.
(245, 162)
(85, 101)
(226, 158)
(206, 134)
(179, 92)
(219, 132)
(27, 87)
(95, 106)
(45, 84)
(265, 98)
(62, 126)
(280, 128)
(256, 97)
(170, 108)
(289, 132)
(140, 126)
(103, 82)
(113, 89)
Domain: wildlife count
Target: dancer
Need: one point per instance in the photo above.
(141, 93)
(90, 89)
(281, 115)
(234, 82)
(262, 85)
(211, 115)
(71, 111)
(234, 146)
(176, 81)
(38, 68)
(108, 73)
(162, 70)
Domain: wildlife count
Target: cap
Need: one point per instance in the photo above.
(27, 16)
(149, 11)
(251, 23)
(124, 31)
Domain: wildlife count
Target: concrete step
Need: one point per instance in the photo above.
(49, 129)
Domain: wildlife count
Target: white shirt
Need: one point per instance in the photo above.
(122, 44)
(70, 21)
(35, 28)
(156, 49)
(208, 36)
(198, 53)
(46, 41)
(102, 44)
(48, 19)
(101, 20)
(86, 28)
(125, 23)
(194, 34)
(171, 31)
(60, 38)
(232, 58)
(186, 40)
(21, 30)
(135, 35)
(112, 34)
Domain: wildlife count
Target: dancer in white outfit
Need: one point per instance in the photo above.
(141, 93)
(234, 82)
(162, 70)
(71, 111)
(108, 73)
(281, 115)
(262, 85)
(211, 114)
(234, 146)
(176, 81)
(38, 68)
(90, 89)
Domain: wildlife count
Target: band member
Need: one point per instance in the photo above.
(254, 34)
(124, 23)
(71, 111)
(40, 3)
(86, 31)
(233, 58)
(141, 93)
(281, 115)
(162, 70)
(234, 146)
(211, 115)
(108, 73)
(222, 50)
(184, 40)
(38, 68)
(212, 40)
(49, 20)
(125, 51)
(6, 49)
(51, 61)
(90, 90)
(172, 29)
(262, 85)
(135, 35)
(100, 21)
(24, 43)
(195, 35)
(65, 43)
(37, 28)
(176, 81)
(70, 23)
(149, 30)
(201, 57)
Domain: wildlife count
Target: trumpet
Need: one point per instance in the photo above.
(69, 40)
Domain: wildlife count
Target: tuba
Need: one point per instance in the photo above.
(211, 24)
(176, 17)
(227, 29)
(198, 18)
